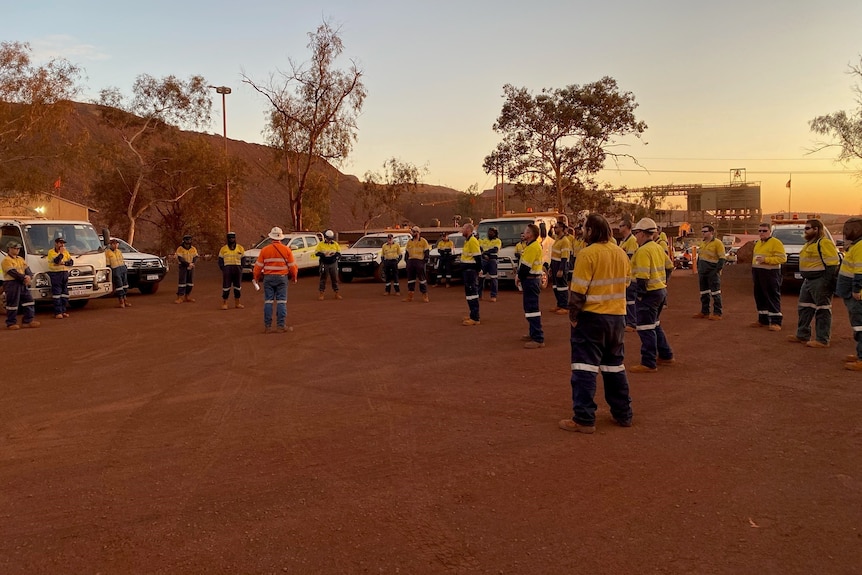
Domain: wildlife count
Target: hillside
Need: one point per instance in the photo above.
(260, 202)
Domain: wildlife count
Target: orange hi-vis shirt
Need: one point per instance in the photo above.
(275, 259)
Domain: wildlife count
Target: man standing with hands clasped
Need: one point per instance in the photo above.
(59, 262)
(710, 261)
(766, 263)
(187, 257)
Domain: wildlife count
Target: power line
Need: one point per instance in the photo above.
(775, 172)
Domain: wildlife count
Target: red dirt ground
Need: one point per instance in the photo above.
(384, 437)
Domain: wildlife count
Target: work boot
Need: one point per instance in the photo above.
(569, 425)
(469, 321)
(179, 299)
(775, 327)
(851, 359)
(794, 339)
(854, 366)
(320, 296)
(756, 324)
(126, 302)
(13, 326)
(534, 344)
(713, 317)
(817, 344)
(666, 361)
(425, 298)
(59, 316)
(526, 338)
(189, 299)
(338, 296)
(33, 323)
(700, 315)
(120, 304)
(493, 300)
(224, 304)
(409, 296)
(238, 305)
(640, 368)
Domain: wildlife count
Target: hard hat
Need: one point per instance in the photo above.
(645, 225)
(329, 234)
(276, 233)
(231, 234)
(187, 238)
(415, 229)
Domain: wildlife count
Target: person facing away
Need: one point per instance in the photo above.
(597, 310)
(649, 274)
(274, 265)
(230, 263)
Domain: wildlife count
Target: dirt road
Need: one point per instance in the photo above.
(384, 437)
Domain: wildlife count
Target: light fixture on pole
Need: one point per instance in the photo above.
(223, 90)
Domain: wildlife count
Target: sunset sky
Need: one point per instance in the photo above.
(721, 85)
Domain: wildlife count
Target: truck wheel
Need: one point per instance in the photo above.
(148, 289)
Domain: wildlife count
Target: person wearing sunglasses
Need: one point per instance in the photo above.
(710, 261)
(769, 255)
(818, 264)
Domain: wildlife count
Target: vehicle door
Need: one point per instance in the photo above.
(300, 252)
(311, 244)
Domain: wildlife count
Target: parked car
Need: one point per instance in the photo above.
(362, 259)
(146, 271)
(302, 244)
(433, 267)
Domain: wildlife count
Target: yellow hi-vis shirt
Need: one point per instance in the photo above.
(711, 251)
(16, 263)
(771, 252)
(533, 258)
(416, 249)
(114, 258)
(812, 260)
(578, 245)
(231, 257)
(470, 250)
(390, 251)
(849, 276)
(491, 246)
(630, 245)
(519, 249)
(187, 254)
(561, 250)
(445, 245)
(648, 263)
(602, 274)
(52, 254)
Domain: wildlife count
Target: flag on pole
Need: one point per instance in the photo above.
(57, 184)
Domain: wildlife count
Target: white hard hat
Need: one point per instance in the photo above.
(645, 225)
(276, 233)
(329, 234)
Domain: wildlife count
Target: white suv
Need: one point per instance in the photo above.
(302, 244)
(362, 259)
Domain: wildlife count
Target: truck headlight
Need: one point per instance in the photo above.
(41, 281)
(366, 257)
(102, 276)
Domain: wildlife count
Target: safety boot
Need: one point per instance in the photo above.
(425, 298)
(224, 304)
(338, 296)
(320, 296)
(179, 299)
(33, 323)
(126, 302)
(238, 305)
(409, 296)
(189, 299)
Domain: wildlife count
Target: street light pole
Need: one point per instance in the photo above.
(223, 90)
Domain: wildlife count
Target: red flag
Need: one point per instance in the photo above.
(57, 184)
(788, 184)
